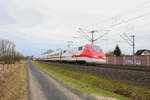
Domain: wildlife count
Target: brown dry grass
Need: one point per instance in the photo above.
(7, 68)
(13, 83)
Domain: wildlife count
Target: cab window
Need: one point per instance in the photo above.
(95, 48)
(80, 48)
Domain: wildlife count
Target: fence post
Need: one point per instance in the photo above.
(115, 60)
(148, 58)
(3, 67)
(135, 60)
(106, 60)
(123, 60)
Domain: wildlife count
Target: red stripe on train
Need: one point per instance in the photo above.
(78, 56)
(89, 57)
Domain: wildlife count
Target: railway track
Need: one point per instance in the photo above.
(126, 67)
(120, 67)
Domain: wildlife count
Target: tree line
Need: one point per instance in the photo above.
(8, 54)
(116, 52)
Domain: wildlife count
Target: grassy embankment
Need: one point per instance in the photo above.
(13, 83)
(94, 85)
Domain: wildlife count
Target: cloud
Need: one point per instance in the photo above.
(5, 19)
(36, 25)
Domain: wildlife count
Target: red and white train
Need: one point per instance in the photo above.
(89, 53)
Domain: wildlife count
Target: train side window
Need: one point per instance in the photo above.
(80, 48)
(64, 51)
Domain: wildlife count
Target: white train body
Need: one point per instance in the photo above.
(89, 53)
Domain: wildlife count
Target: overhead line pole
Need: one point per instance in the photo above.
(91, 37)
(92, 40)
(131, 43)
(133, 37)
(69, 44)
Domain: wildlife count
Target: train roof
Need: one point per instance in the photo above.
(58, 51)
(91, 44)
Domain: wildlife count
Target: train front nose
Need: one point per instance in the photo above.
(97, 57)
(95, 54)
(95, 60)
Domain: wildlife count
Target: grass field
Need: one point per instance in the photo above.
(13, 83)
(94, 85)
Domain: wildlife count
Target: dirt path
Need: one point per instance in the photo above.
(44, 87)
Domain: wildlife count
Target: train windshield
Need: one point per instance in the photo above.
(96, 48)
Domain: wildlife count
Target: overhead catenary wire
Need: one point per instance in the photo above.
(145, 4)
(121, 20)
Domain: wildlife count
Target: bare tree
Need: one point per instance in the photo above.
(8, 54)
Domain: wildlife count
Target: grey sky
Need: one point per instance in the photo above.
(38, 25)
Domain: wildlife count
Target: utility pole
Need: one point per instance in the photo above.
(131, 42)
(69, 43)
(92, 38)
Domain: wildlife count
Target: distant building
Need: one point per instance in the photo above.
(143, 52)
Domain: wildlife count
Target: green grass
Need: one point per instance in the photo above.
(94, 85)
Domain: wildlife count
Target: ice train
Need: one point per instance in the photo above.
(89, 53)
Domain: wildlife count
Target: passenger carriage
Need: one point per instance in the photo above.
(89, 53)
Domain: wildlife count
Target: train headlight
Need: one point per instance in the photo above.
(96, 56)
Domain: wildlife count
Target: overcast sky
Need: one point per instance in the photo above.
(38, 25)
